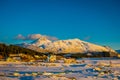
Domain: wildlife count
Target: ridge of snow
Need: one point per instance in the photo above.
(67, 46)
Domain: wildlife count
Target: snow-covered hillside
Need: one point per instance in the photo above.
(65, 46)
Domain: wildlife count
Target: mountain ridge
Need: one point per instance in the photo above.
(76, 45)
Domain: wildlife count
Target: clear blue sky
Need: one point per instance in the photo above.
(96, 20)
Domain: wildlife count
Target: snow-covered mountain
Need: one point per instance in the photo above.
(65, 46)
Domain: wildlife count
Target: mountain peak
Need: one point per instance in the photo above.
(43, 38)
(41, 41)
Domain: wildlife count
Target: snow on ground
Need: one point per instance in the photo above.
(86, 69)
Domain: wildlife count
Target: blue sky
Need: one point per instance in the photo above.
(96, 21)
